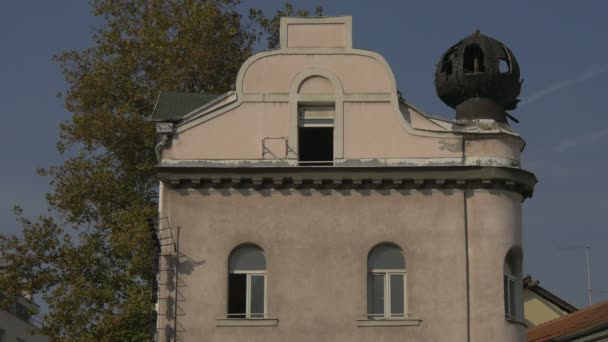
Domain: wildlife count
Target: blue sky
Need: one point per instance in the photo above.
(561, 48)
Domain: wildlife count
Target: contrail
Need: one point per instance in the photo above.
(587, 139)
(563, 84)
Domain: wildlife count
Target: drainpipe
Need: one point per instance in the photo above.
(466, 248)
(166, 130)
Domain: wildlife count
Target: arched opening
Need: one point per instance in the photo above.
(473, 59)
(386, 282)
(247, 283)
(504, 62)
(447, 66)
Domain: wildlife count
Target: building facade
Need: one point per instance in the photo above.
(313, 203)
(541, 306)
(17, 324)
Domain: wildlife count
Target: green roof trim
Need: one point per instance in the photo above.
(172, 106)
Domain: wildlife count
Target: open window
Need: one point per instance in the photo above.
(247, 283)
(513, 286)
(316, 134)
(473, 59)
(504, 62)
(386, 283)
(447, 67)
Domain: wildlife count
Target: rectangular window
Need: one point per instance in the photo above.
(376, 295)
(257, 296)
(237, 295)
(386, 295)
(505, 286)
(397, 295)
(510, 291)
(316, 135)
(246, 295)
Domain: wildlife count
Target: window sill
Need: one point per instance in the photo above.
(516, 321)
(405, 322)
(242, 322)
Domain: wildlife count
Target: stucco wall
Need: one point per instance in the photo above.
(374, 130)
(316, 245)
(236, 134)
(494, 227)
(358, 73)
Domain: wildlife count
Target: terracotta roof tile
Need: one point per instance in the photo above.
(578, 321)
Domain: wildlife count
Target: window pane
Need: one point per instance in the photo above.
(386, 257)
(247, 258)
(376, 294)
(22, 312)
(397, 293)
(315, 144)
(512, 297)
(257, 296)
(506, 292)
(237, 292)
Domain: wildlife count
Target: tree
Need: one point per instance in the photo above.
(90, 258)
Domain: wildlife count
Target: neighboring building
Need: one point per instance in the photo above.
(17, 324)
(313, 203)
(589, 324)
(540, 305)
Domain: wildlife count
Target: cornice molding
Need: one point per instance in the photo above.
(459, 177)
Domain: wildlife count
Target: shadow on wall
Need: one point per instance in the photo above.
(187, 264)
(174, 296)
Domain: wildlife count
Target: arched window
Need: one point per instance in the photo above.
(504, 62)
(247, 283)
(446, 65)
(473, 59)
(386, 282)
(512, 286)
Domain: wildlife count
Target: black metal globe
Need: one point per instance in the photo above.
(479, 77)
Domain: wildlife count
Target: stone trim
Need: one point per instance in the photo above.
(454, 177)
(347, 163)
(230, 322)
(337, 99)
(407, 322)
(347, 21)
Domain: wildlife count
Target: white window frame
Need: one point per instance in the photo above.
(387, 273)
(248, 313)
(511, 299)
(325, 117)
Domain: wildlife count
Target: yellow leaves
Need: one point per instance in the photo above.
(95, 277)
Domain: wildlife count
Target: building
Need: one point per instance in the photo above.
(313, 203)
(589, 324)
(540, 305)
(17, 324)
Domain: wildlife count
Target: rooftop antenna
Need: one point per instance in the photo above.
(587, 252)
